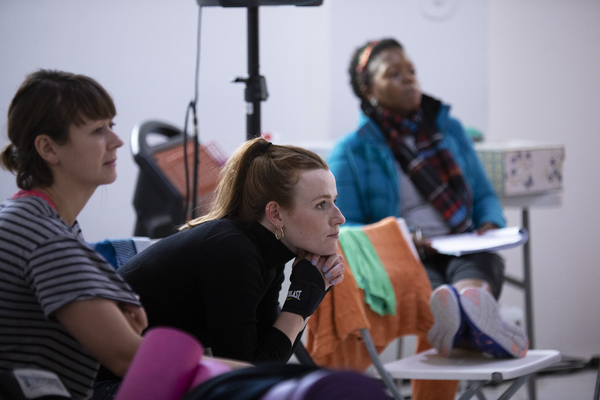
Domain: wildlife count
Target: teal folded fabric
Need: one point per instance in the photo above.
(368, 271)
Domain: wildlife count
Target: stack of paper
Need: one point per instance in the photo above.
(472, 242)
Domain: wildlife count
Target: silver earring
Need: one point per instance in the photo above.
(373, 101)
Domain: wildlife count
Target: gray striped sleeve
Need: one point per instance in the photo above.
(64, 269)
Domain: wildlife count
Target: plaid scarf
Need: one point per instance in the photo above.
(430, 166)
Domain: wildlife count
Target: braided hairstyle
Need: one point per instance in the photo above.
(361, 76)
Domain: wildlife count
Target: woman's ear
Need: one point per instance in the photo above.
(365, 91)
(46, 148)
(273, 214)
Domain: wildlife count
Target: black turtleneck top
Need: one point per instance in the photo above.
(219, 281)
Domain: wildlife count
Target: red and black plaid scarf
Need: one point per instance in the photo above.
(430, 166)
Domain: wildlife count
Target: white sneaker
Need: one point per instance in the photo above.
(448, 326)
(488, 332)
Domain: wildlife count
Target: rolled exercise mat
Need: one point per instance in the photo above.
(328, 385)
(163, 367)
(247, 383)
(206, 370)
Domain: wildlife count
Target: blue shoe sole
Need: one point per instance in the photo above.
(488, 332)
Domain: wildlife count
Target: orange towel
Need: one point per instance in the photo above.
(333, 337)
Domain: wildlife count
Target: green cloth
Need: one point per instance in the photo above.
(368, 271)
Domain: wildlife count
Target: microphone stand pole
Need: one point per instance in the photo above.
(256, 85)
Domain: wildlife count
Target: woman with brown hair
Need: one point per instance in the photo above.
(219, 278)
(63, 308)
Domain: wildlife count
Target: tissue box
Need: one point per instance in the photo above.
(518, 167)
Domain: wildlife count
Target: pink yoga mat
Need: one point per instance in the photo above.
(164, 366)
(206, 370)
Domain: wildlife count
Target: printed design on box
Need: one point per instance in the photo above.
(531, 171)
(519, 168)
(554, 170)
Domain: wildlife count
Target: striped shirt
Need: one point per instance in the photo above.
(44, 264)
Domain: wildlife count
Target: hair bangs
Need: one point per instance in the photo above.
(89, 101)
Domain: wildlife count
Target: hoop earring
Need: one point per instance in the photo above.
(277, 231)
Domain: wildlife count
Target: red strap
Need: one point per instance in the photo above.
(25, 193)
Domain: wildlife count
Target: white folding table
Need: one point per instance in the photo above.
(471, 366)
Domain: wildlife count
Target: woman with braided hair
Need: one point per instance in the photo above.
(219, 278)
(409, 158)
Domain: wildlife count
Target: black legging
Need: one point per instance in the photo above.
(443, 269)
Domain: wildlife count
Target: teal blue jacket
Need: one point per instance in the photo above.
(367, 179)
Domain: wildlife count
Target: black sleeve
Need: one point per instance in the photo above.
(268, 308)
(273, 346)
(241, 304)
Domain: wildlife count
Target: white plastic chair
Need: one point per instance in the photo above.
(473, 367)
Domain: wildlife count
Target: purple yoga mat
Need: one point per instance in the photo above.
(163, 367)
(328, 385)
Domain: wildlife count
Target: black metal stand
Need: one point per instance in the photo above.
(531, 386)
(256, 84)
(525, 284)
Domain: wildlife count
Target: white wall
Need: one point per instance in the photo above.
(143, 52)
(447, 53)
(544, 60)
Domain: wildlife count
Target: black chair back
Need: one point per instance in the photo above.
(157, 202)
